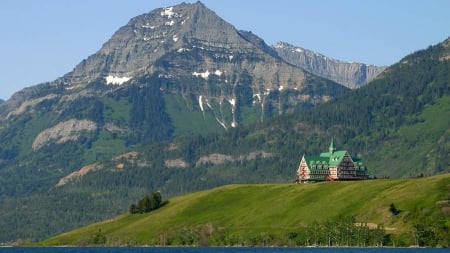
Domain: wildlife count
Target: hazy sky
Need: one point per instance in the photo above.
(42, 40)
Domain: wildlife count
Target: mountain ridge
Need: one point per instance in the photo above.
(173, 72)
(349, 74)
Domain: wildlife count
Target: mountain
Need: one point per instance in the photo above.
(184, 41)
(349, 74)
(196, 57)
(391, 123)
(369, 213)
(178, 100)
(173, 72)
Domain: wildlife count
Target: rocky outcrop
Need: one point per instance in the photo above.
(78, 174)
(349, 74)
(29, 104)
(69, 130)
(445, 55)
(217, 158)
(176, 163)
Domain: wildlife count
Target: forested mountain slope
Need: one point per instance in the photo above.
(401, 124)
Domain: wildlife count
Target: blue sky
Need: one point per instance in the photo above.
(42, 40)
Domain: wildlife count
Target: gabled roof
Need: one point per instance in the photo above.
(332, 157)
(327, 158)
(316, 159)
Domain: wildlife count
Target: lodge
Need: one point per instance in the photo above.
(331, 166)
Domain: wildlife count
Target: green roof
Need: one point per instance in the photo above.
(332, 157)
(326, 158)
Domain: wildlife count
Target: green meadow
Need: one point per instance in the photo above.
(286, 214)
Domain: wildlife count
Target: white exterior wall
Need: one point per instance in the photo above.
(333, 173)
(303, 172)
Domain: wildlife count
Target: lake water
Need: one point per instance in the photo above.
(215, 250)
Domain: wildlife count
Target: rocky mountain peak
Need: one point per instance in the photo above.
(179, 41)
(135, 47)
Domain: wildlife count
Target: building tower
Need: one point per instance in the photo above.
(331, 149)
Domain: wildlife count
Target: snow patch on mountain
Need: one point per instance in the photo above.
(181, 50)
(168, 12)
(170, 23)
(257, 96)
(232, 102)
(221, 123)
(206, 74)
(117, 80)
(148, 26)
(200, 102)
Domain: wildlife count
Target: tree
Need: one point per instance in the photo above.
(134, 209)
(147, 203)
(393, 209)
(157, 197)
(98, 238)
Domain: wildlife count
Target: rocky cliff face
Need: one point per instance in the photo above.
(349, 74)
(179, 41)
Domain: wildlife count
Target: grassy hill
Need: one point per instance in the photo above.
(402, 212)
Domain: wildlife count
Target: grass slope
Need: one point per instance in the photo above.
(241, 211)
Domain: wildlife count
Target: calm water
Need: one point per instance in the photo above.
(216, 250)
